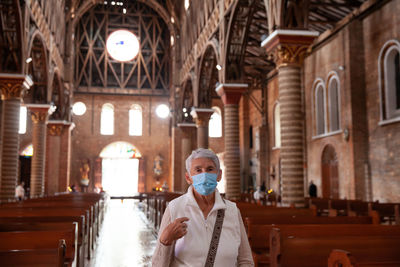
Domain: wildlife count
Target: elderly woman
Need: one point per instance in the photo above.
(190, 230)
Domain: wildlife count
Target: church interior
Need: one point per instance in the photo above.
(102, 102)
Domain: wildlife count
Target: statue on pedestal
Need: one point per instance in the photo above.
(85, 169)
(158, 165)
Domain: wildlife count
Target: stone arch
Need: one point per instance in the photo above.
(58, 98)
(208, 77)
(329, 172)
(38, 70)
(12, 39)
(236, 41)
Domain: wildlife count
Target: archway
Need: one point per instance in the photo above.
(25, 159)
(208, 78)
(329, 172)
(38, 69)
(120, 169)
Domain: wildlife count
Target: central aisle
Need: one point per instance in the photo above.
(125, 240)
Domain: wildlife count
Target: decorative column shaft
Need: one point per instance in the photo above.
(230, 95)
(39, 115)
(202, 117)
(290, 48)
(54, 129)
(57, 155)
(12, 88)
(187, 130)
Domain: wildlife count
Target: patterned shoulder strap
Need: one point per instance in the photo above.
(212, 251)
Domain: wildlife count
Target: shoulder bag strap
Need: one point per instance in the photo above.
(212, 251)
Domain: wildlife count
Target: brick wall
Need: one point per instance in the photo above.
(88, 143)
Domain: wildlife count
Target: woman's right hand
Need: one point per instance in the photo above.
(174, 231)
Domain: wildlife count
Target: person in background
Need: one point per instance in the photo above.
(73, 188)
(20, 191)
(312, 189)
(200, 228)
(258, 195)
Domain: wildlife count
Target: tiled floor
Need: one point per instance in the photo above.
(125, 240)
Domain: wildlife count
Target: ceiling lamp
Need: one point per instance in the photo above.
(122, 45)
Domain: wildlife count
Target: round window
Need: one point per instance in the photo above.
(122, 45)
(162, 111)
(79, 108)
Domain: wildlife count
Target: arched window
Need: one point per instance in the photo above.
(107, 119)
(277, 125)
(215, 123)
(135, 120)
(22, 120)
(333, 92)
(389, 79)
(319, 108)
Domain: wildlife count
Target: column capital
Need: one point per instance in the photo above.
(13, 85)
(289, 46)
(201, 115)
(231, 93)
(56, 127)
(187, 128)
(40, 112)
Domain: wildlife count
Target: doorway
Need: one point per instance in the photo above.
(24, 174)
(120, 169)
(330, 173)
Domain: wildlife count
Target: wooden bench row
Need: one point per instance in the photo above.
(388, 212)
(156, 203)
(46, 219)
(311, 245)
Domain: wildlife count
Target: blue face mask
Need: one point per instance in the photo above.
(205, 183)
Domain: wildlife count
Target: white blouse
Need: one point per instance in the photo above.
(192, 249)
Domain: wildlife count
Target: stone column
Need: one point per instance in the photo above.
(289, 48)
(230, 95)
(187, 130)
(57, 155)
(39, 115)
(202, 117)
(12, 88)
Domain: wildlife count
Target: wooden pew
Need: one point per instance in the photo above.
(310, 245)
(258, 230)
(50, 203)
(35, 257)
(343, 258)
(293, 219)
(44, 226)
(11, 216)
(253, 210)
(32, 240)
(388, 212)
(96, 203)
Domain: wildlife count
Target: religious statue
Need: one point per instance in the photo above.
(158, 165)
(85, 169)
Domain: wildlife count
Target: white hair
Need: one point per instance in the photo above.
(202, 153)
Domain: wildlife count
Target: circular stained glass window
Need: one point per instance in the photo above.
(79, 108)
(122, 45)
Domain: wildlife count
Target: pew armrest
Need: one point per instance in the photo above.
(341, 258)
